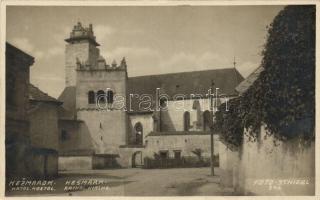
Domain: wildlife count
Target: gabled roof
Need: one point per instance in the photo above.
(35, 94)
(186, 83)
(68, 97)
(245, 84)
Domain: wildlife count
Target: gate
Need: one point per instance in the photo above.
(137, 160)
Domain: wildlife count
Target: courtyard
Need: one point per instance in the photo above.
(136, 182)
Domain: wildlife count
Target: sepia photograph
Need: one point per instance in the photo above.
(159, 100)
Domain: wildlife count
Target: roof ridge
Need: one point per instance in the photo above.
(49, 98)
(185, 72)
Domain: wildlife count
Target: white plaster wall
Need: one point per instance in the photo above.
(110, 135)
(287, 161)
(84, 51)
(228, 164)
(176, 110)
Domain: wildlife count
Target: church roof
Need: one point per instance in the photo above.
(36, 94)
(187, 83)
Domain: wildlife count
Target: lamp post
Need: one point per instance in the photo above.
(211, 130)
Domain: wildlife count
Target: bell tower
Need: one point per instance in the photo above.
(82, 47)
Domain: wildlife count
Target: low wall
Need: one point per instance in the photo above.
(186, 143)
(286, 168)
(75, 162)
(43, 164)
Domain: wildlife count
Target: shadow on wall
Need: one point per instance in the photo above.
(166, 123)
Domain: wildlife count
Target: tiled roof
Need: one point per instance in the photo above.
(245, 84)
(36, 94)
(167, 133)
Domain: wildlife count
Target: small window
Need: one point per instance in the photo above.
(101, 96)
(177, 154)
(64, 135)
(91, 97)
(110, 96)
(186, 121)
(138, 133)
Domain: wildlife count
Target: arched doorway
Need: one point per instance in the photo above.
(138, 133)
(136, 159)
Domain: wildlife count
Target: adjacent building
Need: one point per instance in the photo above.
(17, 103)
(32, 132)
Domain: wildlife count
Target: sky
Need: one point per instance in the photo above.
(153, 39)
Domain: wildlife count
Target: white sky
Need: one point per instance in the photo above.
(154, 40)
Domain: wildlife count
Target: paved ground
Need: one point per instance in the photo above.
(140, 182)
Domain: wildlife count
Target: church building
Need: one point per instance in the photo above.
(109, 119)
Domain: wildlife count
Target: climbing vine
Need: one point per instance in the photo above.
(228, 123)
(283, 96)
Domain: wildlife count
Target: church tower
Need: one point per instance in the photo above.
(81, 46)
(101, 91)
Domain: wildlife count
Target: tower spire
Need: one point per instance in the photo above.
(234, 62)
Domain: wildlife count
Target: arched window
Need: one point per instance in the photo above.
(186, 121)
(206, 120)
(138, 131)
(196, 106)
(110, 96)
(91, 97)
(101, 96)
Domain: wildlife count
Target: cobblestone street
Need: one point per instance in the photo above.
(140, 182)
